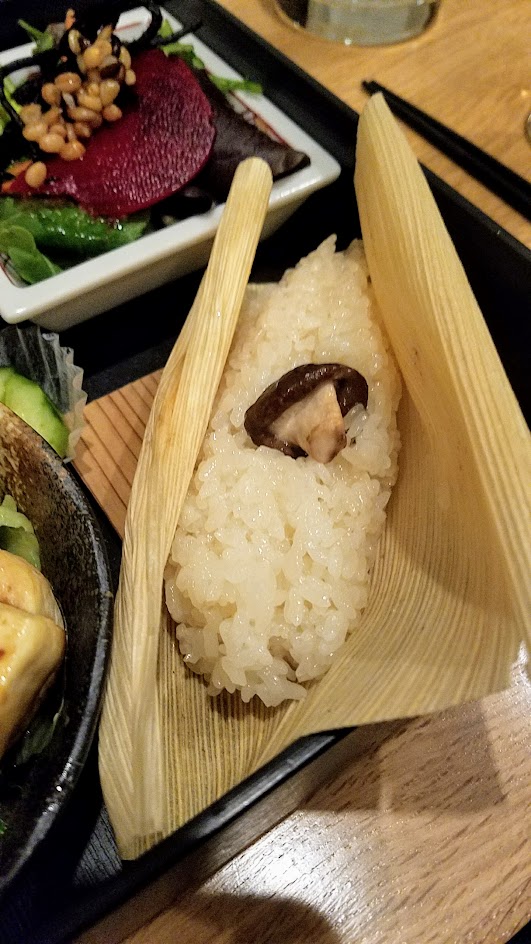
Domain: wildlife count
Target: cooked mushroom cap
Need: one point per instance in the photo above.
(314, 428)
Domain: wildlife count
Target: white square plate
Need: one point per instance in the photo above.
(94, 286)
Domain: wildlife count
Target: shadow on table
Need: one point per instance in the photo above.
(442, 762)
(240, 919)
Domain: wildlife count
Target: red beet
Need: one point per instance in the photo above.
(159, 145)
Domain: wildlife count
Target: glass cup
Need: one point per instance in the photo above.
(361, 22)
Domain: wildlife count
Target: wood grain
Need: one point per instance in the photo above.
(470, 70)
(424, 839)
(110, 445)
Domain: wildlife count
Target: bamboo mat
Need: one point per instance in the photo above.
(109, 447)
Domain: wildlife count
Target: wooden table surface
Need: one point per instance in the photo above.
(425, 836)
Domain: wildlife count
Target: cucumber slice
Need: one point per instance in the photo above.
(28, 401)
(22, 543)
(5, 374)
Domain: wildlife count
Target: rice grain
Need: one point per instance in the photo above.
(269, 569)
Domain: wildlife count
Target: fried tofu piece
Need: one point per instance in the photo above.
(23, 586)
(31, 650)
(32, 644)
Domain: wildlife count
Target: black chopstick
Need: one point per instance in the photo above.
(495, 176)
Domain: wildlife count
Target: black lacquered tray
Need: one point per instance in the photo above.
(76, 879)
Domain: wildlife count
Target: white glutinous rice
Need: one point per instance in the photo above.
(269, 569)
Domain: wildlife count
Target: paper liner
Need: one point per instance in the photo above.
(38, 355)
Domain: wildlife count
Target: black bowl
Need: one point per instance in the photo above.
(75, 562)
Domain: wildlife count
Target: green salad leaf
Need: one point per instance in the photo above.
(29, 226)
(39, 734)
(30, 263)
(4, 118)
(16, 531)
(9, 92)
(68, 228)
(43, 41)
(187, 52)
(235, 85)
(10, 517)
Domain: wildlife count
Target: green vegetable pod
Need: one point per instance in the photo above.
(67, 228)
(40, 383)
(30, 229)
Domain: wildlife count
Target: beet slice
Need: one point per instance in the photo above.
(161, 143)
